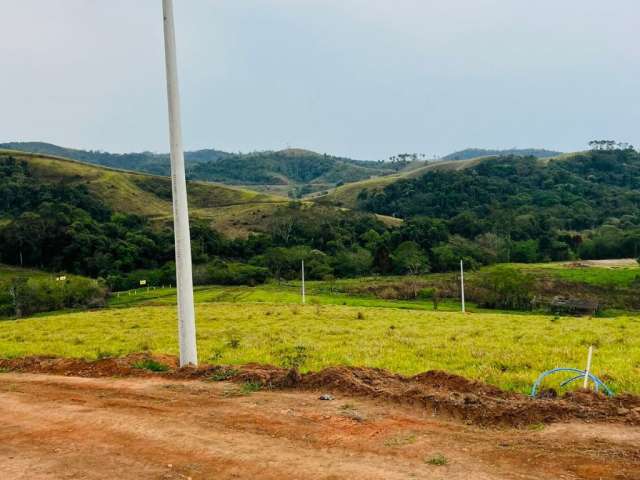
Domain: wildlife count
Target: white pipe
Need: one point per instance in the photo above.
(186, 312)
(304, 297)
(586, 372)
(462, 285)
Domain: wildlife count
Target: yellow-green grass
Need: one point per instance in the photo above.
(10, 271)
(624, 273)
(317, 293)
(346, 195)
(505, 350)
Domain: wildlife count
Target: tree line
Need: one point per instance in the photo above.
(508, 209)
(524, 209)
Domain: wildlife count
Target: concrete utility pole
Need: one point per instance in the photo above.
(462, 285)
(304, 295)
(186, 312)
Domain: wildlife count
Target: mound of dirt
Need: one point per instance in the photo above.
(440, 392)
(130, 365)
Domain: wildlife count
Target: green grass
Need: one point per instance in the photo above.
(317, 294)
(593, 275)
(501, 349)
(619, 277)
(9, 271)
(151, 365)
(437, 460)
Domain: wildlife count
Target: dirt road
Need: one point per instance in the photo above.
(54, 427)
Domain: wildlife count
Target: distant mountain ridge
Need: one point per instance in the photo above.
(148, 162)
(468, 153)
(304, 169)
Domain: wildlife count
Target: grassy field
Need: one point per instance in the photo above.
(8, 271)
(623, 273)
(317, 294)
(502, 349)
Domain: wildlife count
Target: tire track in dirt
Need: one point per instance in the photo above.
(68, 427)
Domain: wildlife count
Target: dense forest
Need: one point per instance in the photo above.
(526, 209)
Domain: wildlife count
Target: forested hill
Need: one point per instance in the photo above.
(291, 167)
(63, 215)
(481, 152)
(585, 204)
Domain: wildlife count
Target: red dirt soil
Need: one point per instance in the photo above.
(168, 428)
(436, 392)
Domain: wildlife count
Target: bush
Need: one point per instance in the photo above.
(430, 294)
(505, 287)
(234, 273)
(154, 277)
(26, 296)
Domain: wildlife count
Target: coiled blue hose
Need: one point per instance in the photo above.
(581, 373)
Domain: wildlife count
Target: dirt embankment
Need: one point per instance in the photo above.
(437, 392)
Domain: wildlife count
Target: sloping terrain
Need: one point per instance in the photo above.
(277, 171)
(469, 153)
(148, 195)
(148, 162)
(347, 195)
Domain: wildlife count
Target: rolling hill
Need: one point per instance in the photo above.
(347, 195)
(469, 153)
(291, 171)
(231, 210)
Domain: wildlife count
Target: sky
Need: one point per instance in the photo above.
(361, 78)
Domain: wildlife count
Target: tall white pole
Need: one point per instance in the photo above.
(186, 312)
(304, 296)
(462, 285)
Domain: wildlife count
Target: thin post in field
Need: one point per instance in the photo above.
(587, 371)
(462, 285)
(304, 296)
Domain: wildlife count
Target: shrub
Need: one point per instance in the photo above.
(26, 296)
(294, 357)
(151, 365)
(505, 287)
(234, 273)
(430, 294)
(437, 460)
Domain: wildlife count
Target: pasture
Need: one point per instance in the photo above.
(507, 350)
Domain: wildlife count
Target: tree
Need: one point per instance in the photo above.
(354, 262)
(506, 287)
(409, 258)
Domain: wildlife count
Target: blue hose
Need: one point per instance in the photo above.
(581, 373)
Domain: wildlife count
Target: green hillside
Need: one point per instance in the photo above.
(347, 195)
(63, 215)
(469, 153)
(141, 194)
(148, 162)
(292, 171)
(582, 205)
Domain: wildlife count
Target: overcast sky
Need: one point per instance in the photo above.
(363, 78)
